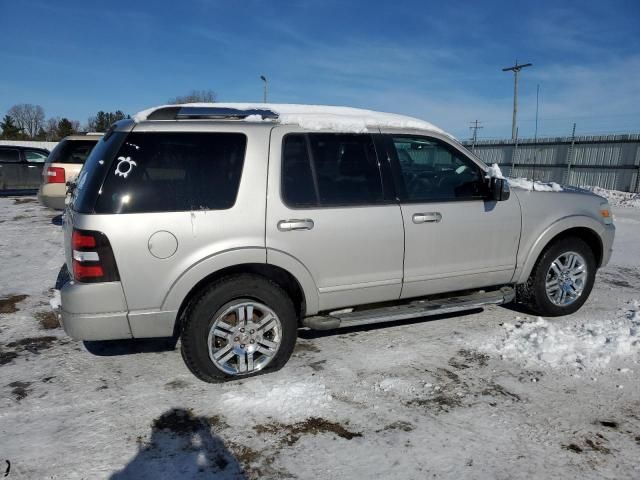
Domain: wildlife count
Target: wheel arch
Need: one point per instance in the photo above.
(585, 228)
(285, 279)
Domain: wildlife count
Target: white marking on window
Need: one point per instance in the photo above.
(125, 166)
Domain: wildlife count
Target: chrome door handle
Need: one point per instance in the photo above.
(287, 225)
(428, 217)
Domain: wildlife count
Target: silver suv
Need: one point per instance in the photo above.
(232, 226)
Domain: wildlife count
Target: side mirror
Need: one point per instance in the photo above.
(499, 189)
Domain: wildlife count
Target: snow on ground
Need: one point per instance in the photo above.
(318, 117)
(617, 198)
(476, 395)
(581, 344)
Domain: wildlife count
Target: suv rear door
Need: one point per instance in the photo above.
(328, 210)
(456, 238)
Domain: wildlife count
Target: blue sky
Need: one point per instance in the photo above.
(439, 61)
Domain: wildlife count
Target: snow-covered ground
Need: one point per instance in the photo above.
(488, 394)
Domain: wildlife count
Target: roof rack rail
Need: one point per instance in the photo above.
(219, 113)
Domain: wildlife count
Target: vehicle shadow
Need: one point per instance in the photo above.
(111, 348)
(181, 445)
(308, 334)
(57, 220)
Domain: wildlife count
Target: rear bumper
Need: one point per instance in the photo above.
(53, 195)
(94, 311)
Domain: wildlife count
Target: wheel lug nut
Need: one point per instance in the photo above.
(253, 341)
(237, 339)
(242, 330)
(242, 345)
(250, 331)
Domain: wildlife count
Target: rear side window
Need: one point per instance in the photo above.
(34, 156)
(9, 155)
(167, 171)
(72, 151)
(326, 170)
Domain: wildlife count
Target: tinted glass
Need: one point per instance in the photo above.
(331, 170)
(9, 155)
(298, 186)
(35, 157)
(94, 171)
(72, 151)
(432, 170)
(167, 171)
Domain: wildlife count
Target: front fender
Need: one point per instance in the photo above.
(527, 258)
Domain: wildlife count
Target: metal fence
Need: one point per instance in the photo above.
(607, 161)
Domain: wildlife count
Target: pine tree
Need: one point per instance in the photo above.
(65, 128)
(9, 129)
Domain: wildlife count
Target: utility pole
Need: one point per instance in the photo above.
(535, 136)
(515, 69)
(474, 126)
(570, 154)
(264, 79)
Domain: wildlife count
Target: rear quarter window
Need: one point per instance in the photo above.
(173, 171)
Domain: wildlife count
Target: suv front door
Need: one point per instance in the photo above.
(455, 237)
(328, 210)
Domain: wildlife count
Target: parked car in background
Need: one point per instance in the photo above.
(63, 165)
(21, 168)
(233, 234)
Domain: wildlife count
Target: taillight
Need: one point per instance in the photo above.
(93, 259)
(55, 175)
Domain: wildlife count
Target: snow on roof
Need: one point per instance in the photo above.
(318, 117)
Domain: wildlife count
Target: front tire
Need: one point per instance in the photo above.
(241, 325)
(562, 279)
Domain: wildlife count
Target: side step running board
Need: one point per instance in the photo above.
(415, 309)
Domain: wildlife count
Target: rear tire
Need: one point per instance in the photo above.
(561, 280)
(240, 326)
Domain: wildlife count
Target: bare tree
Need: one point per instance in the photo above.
(29, 118)
(51, 129)
(206, 96)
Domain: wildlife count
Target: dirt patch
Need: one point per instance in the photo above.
(179, 421)
(589, 444)
(572, 447)
(8, 304)
(440, 402)
(19, 217)
(33, 344)
(468, 358)
(22, 201)
(609, 424)
(7, 357)
(495, 390)
(47, 319)
(302, 347)
(20, 390)
(399, 425)
(217, 423)
(176, 384)
(310, 426)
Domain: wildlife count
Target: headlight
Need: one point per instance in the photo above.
(605, 213)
